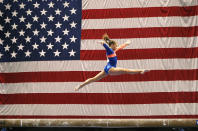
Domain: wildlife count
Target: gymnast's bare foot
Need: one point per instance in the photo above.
(77, 88)
(144, 71)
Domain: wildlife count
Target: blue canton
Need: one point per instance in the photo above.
(36, 30)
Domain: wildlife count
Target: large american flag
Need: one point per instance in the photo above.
(47, 47)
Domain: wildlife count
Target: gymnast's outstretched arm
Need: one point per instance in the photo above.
(123, 45)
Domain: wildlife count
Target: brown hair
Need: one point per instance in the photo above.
(106, 38)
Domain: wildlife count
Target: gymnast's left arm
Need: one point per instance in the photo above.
(123, 45)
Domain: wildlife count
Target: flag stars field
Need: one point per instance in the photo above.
(37, 24)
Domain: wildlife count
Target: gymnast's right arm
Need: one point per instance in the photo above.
(109, 51)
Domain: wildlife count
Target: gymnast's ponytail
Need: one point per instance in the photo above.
(106, 38)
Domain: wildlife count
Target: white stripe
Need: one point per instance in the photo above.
(105, 4)
(94, 65)
(100, 87)
(142, 43)
(140, 22)
(100, 110)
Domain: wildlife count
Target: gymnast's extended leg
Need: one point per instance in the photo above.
(119, 71)
(99, 76)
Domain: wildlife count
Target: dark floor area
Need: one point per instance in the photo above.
(94, 129)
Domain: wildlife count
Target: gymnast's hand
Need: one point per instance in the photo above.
(101, 42)
(127, 42)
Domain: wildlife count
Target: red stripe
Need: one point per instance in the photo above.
(139, 12)
(141, 32)
(131, 54)
(100, 98)
(79, 76)
(97, 117)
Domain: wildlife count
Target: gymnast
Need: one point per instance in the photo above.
(110, 69)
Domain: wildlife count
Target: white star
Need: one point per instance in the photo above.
(66, 4)
(72, 53)
(73, 11)
(7, 7)
(14, 13)
(57, 53)
(15, 0)
(27, 39)
(1, 1)
(22, 19)
(43, 25)
(7, 20)
(43, 12)
(57, 12)
(13, 54)
(65, 45)
(51, 18)
(51, 5)
(50, 46)
(7, 48)
(73, 24)
(7, 34)
(27, 53)
(65, 32)
(58, 25)
(1, 55)
(28, 26)
(28, 12)
(1, 42)
(14, 40)
(65, 18)
(42, 53)
(35, 32)
(22, 6)
(14, 26)
(35, 46)
(73, 39)
(1, 13)
(1, 28)
(20, 47)
(50, 32)
(58, 39)
(21, 33)
(36, 5)
(43, 39)
(35, 18)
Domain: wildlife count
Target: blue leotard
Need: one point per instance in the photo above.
(112, 61)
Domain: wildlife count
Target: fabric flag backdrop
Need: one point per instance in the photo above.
(47, 47)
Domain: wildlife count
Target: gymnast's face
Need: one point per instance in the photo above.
(114, 46)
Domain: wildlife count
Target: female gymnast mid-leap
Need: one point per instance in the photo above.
(111, 69)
